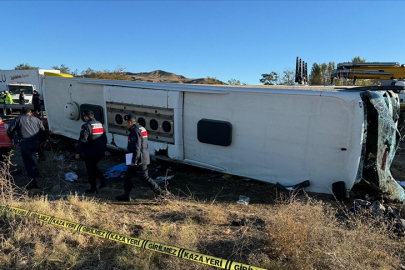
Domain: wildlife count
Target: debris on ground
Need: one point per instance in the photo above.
(377, 210)
(298, 186)
(60, 157)
(116, 171)
(163, 178)
(243, 200)
(70, 176)
(239, 222)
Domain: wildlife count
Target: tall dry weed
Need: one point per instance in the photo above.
(313, 235)
(9, 192)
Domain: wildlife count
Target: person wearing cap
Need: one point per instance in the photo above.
(29, 130)
(92, 144)
(138, 146)
(6, 144)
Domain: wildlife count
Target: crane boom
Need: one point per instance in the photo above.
(369, 70)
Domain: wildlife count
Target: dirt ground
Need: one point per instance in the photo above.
(188, 181)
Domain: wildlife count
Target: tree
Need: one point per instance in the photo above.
(117, 74)
(75, 73)
(213, 80)
(289, 77)
(88, 73)
(358, 59)
(233, 82)
(236, 82)
(270, 79)
(62, 69)
(24, 66)
(321, 73)
(326, 72)
(315, 78)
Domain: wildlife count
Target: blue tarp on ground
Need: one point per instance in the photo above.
(116, 171)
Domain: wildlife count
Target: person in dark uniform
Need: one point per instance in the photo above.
(92, 144)
(36, 102)
(29, 130)
(138, 146)
(21, 98)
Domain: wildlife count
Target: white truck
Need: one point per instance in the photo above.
(16, 81)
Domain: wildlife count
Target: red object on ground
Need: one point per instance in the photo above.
(4, 139)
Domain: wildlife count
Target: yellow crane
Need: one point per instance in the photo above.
(369, 70)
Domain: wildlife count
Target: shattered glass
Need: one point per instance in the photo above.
(388, 139)
(382, 105)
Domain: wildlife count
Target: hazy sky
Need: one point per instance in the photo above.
(222, 39)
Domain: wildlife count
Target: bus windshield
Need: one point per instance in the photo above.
(16, 89)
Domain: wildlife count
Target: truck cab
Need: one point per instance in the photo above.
(15, 89)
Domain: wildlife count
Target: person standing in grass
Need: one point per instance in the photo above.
(29, 130)
(92, 144)
(138, 146)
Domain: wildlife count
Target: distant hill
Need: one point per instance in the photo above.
(168, 77)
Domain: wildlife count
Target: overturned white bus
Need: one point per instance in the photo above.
(281, 134)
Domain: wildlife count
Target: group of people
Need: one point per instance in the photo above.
(91, 147)
(35, 100)
(6, 98)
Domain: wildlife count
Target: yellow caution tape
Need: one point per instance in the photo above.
(132, 241)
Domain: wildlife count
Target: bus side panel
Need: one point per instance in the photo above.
(58, 92)
(159, 106)
(284, 138)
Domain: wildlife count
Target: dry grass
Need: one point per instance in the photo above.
(320, 236)
(295, 233)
